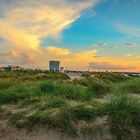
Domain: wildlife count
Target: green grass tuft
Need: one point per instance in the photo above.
(123, 116)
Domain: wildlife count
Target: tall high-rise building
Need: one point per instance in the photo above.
(54, 65)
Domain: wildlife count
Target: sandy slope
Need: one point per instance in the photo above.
(41, 133)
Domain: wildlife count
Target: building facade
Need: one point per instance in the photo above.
(54, 65)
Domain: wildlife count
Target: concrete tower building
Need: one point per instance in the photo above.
(54, 65)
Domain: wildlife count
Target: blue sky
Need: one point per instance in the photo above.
(92, 31)
(99, 24)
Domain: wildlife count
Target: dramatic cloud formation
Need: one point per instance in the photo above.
(25, 23)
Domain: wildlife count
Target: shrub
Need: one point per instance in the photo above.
(47, 86)
(68, 91)
(55, 102)
(14, 118)
(73, 92)
(123, 117)
(96, 88)
(40, 117)
(13, 94)
(6, 83)
(83, 82)
(60, 118)
(111, 77)
(67, 117)
(83, 112)
(64, 117)
(130, 86)
(99, 88)
(52, 102)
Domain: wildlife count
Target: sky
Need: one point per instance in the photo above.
(96, 35)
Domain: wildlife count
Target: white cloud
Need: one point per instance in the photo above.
(33, 20)
(24, 23)
(129, 30)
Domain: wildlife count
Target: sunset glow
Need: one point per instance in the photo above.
(94, 35)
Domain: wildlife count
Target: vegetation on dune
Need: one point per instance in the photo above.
(69, 91)
(124, 117)
(129, 86)
(106, 76)
(5, 83)
(32, 75)
(99, 88)
(96, 88)
(12, 94)
(64, 117)
(32, 97)
(111, 77)
(15, 117)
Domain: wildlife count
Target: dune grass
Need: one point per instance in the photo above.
(123, 113)
(6, 83)
(69, 91)
(96, 88)
(129, 86)
(99, 88)
(64, 117)
(57, 102)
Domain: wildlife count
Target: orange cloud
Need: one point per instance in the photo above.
(38, 21)
(24, 26)
(76, 60)
(57, 51)
(13, 54)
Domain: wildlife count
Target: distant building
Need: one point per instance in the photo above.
(54, 65)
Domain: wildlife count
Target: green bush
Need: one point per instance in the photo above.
(15, 117)
(123, 117)
(130, 86)
(40, 117)
(64, 117)
(83, 112)
(64, 104)
(51, 102)
(6, 83)
(111, 77)
(47, 86)
(68, 91)
(60, 118)
(99, 88)
(55, 102)
(73, 92)
(13, 94)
